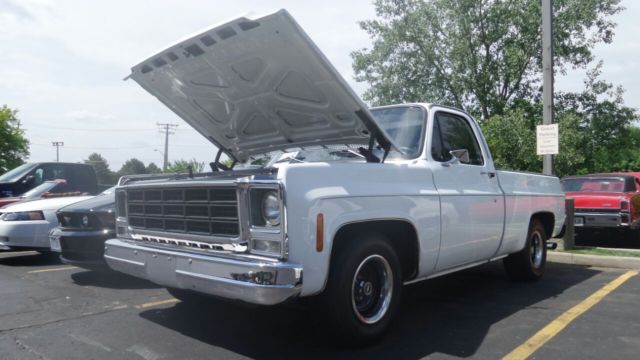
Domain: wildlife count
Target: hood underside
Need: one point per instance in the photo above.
(255, 85)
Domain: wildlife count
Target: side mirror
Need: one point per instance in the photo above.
(461, 154)
(458, 156)
(28, 179)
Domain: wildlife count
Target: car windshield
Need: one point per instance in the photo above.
(17, 173)
(404, 125)
(37, 191)
(593, 185)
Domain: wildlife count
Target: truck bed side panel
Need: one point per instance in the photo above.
(525, 195)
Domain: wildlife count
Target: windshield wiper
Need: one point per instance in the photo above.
(347, 153)
(288, 159)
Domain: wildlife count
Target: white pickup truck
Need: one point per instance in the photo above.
(326, 196)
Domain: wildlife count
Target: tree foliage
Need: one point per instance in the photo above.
(485, 56)
(597, 133)
(132, 166)
(101, 166)
(478, 55)
(182, 166)
(152, 168)
(14, 146)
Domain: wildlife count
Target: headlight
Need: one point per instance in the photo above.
(271, 208)
(23, 216)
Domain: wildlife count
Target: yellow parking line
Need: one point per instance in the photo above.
(52, 269)
(156, 303)
(553, 328)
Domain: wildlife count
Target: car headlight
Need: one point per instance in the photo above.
(271, 208)
(23, 216)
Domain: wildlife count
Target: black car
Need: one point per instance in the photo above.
(80, 177)
(83, 229)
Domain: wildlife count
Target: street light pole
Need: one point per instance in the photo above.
(57, 144)
(547, 75)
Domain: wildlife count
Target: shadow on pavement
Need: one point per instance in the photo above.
(449, 315)
(20, 258)
(111, 280)
(628, 239)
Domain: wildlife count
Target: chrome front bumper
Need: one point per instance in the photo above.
(603, 220)
(251, 280)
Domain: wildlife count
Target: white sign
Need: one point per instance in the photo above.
(547, 139)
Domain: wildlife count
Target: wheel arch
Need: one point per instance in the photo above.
(402, 236)
(548, 221)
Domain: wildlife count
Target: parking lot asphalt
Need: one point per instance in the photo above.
(49, 310)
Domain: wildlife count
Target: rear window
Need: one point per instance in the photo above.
(594, 185)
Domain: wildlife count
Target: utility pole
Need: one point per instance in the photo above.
(168, 129)
(57, 144)
(547, 75)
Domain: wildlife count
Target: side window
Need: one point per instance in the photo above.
(637, 185)
(57, 172)
(452, 132)
(38, 175)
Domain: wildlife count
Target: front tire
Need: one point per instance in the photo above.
(529, 263)
(364, 287)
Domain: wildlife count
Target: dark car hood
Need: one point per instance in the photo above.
(7, 189)
(101, 203)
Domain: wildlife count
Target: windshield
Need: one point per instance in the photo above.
(593, 184)
(17, 173)
(404, 125)
(37, 191)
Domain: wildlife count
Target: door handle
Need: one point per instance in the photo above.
(491, 174)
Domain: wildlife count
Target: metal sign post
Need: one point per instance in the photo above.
(547, 77)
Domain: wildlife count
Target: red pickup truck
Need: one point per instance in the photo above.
(605, 200)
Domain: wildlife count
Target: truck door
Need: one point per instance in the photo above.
(471, 201)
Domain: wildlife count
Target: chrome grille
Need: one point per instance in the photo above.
(603, 210)
(190, 210)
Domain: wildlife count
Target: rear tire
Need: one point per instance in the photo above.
(529, 263)
(363, 290)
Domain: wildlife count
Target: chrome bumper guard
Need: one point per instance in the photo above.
(254, 281)
(602, 220)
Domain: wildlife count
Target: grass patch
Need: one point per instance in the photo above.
(604, 252)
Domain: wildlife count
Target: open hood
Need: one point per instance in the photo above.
(255, 85)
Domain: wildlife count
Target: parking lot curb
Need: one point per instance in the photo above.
(619, 262)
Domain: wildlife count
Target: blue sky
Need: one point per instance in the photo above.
(63, 63)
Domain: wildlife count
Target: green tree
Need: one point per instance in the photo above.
(182, 166)
(478, 55)
(14, 146)
(132, 166)
(597, 132)
(152, 168)
(101, 166)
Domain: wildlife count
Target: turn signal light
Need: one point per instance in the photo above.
(320, 232)
(624, 205)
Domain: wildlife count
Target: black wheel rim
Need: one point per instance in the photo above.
(372, 288)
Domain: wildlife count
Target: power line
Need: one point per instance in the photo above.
(95, 130)
(168, 129)
(98, 147)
